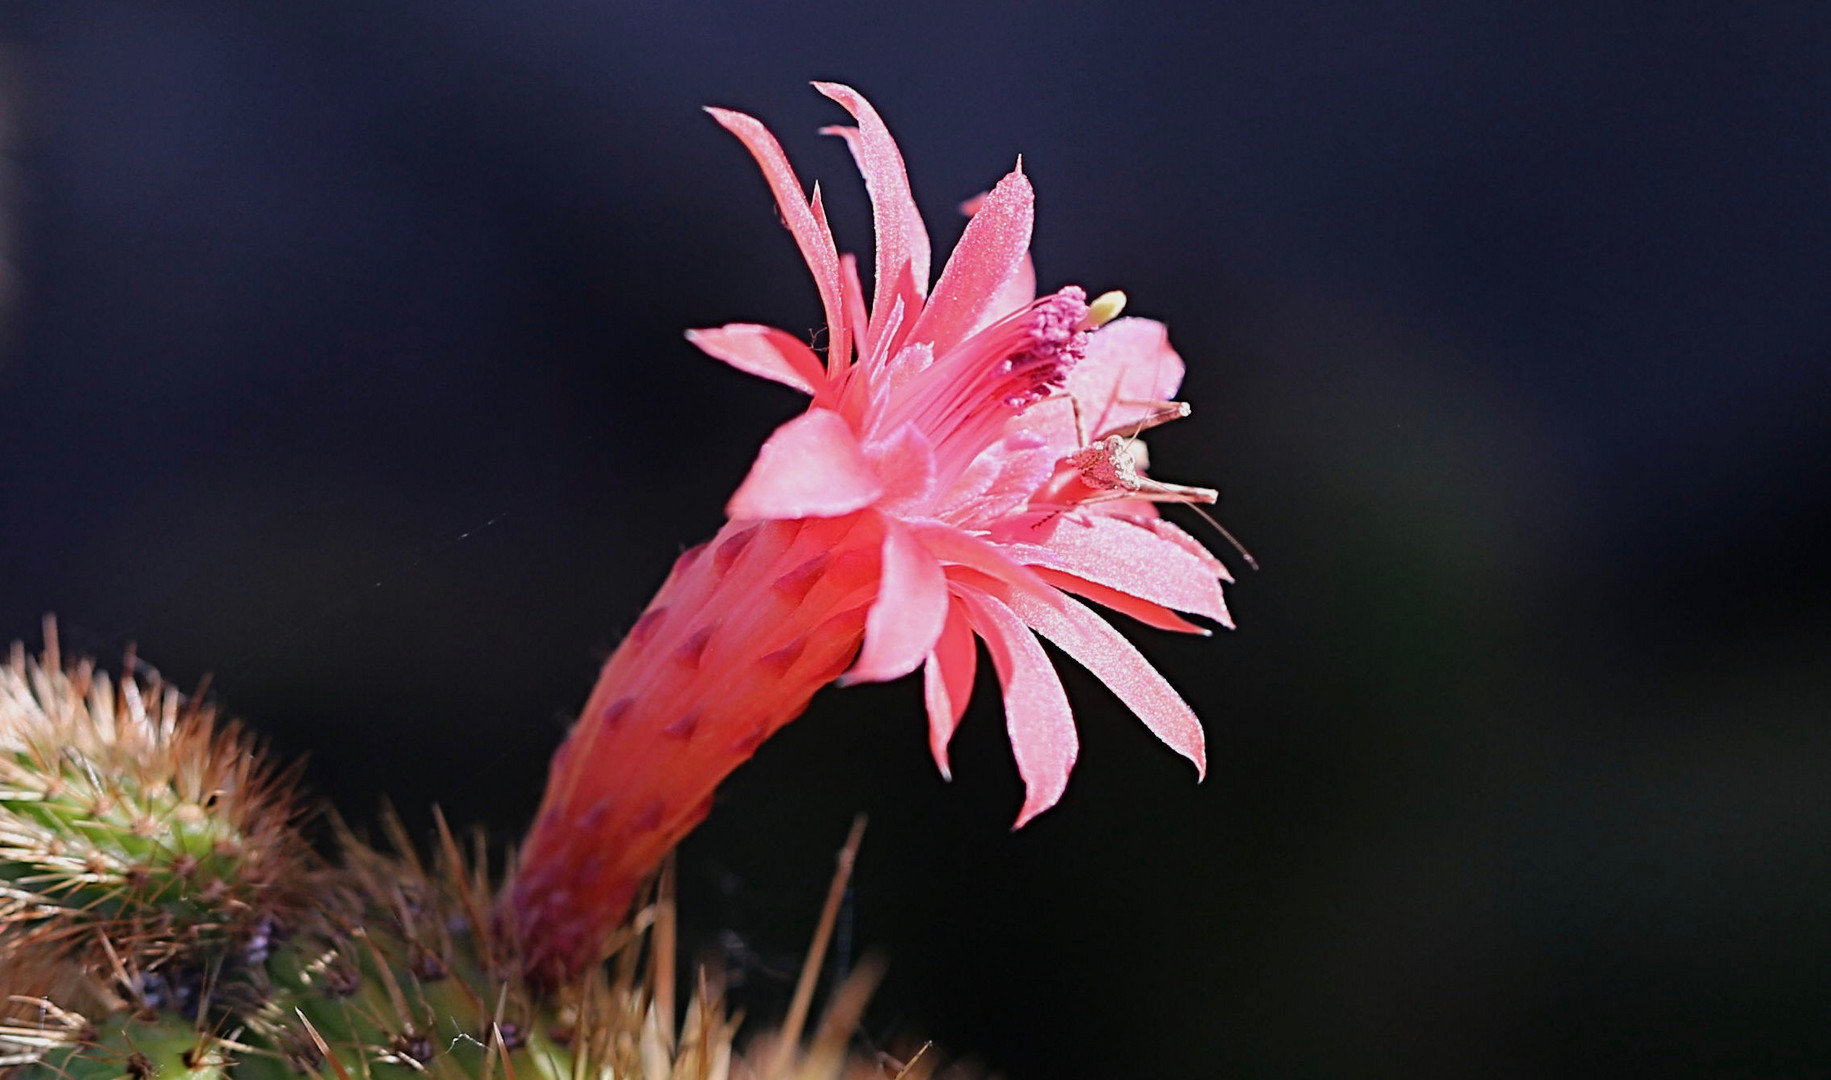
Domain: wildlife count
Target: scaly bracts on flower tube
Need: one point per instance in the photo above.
(946, 483)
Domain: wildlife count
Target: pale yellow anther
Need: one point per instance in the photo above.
(1105, 308)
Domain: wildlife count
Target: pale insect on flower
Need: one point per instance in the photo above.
(1114, 464)
(929, 497)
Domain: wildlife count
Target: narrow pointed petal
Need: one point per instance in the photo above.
(874, 360)
(763, 351)
(1124, 603)
(947, 682)
(955, 546)
(901, 288)
(904, 296)
(1036, 708)
(902, 239)
(1099, 648)
(811, 233)
(852, 294)
(867, 394)
(811, 467)
(990, 253)
(1178, 536)
(839, 334)
(1019, 291)
(906, 618)
(1129, 557)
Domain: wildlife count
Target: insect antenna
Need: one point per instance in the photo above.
(1225, 535)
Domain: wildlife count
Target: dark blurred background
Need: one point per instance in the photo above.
(342, 359)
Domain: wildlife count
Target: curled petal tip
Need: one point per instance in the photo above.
(1032, 807)
(765, 352)
(837, 91)
(941, 764)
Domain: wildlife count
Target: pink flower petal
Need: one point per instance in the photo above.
(763, 351)
(867, 393)
(905, 296)
(1099, 648)
(853, 296)
(960, 548)
(1126, 360)
(1124, 603)
(990, 253)
(811, 466)
(902, 239)
(947, 682)
(811, 232)
(1123, 555)
(874, 358)
(839, 334)
(1002, 479)
(1036, 708)
(1175, 534)
(905, 464)
(1018, 292)
(906, 618)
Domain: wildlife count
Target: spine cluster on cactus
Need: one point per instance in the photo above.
(162, 915)
(136, 830)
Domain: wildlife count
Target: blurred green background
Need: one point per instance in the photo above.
(341, 357)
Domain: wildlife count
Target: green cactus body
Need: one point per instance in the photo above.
(162, 916)
(127, 814)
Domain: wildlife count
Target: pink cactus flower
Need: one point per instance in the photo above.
(966, 469)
